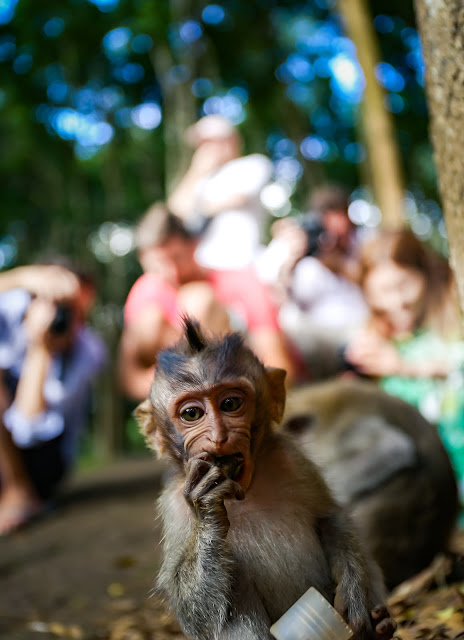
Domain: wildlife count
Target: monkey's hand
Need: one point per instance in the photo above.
(379, 627)
(383, 626)
(206, 488)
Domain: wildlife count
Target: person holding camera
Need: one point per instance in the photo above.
(48, 359)
(315, 278)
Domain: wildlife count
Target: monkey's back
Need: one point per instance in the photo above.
(384, 461)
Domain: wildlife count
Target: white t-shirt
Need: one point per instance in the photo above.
(323, 298)
(232, 238)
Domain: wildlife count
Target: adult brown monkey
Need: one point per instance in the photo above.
(249, 523)
(386, 463)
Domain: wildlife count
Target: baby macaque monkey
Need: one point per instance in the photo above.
(385, 463)
(249, 523)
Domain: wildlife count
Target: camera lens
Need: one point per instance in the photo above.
(62, 320)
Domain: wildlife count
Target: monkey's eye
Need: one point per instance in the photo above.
(231, 404)
(192, 413)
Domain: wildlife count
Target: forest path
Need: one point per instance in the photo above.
(86, 571)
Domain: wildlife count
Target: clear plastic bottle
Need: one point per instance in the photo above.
(311, 618)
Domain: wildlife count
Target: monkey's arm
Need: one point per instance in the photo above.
(196, 576)
(359, 585)
(199, 572)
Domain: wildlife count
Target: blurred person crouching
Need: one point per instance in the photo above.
(48, 360)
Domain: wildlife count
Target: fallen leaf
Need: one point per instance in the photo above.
(57, 629)
(445, 614)
(123, 562)
(116, 590)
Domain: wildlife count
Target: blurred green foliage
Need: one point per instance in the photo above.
(95, 96)
(66, 67)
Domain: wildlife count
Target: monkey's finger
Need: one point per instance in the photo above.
(239, 491)
(385, 629)
(196, 469)
(204, 455)
(379, 612)
(228, 489)
(211, 479)
(234, 489)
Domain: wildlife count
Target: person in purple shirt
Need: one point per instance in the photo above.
(48, 360)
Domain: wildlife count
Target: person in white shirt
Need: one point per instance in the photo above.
(219, 195)
(321, 304)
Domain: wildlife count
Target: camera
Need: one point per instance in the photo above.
(62, 321)
(312, 225)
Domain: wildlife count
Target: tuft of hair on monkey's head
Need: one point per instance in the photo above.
(201, 361)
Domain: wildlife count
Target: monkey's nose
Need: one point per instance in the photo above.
(219, 438)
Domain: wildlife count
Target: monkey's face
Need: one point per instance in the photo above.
(212, 399)
(217, 420)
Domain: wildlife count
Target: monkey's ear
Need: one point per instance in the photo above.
(144, 417)
(276, 381)
(147, 425)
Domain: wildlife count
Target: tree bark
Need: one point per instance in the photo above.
(179, 104)
(384, 164)
(441, 26)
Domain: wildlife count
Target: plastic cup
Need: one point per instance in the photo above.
(311, 618)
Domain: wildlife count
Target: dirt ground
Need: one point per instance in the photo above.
(77, 570)
(86, 570)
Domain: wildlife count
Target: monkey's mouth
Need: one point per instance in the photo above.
(231, 465)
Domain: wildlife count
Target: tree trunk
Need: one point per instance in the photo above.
(179, 104)
(441, 25)
(377, 123)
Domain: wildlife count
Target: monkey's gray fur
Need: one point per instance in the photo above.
(237, 556)
(386, 463)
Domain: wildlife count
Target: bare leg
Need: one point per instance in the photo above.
(18, 498)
